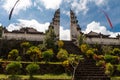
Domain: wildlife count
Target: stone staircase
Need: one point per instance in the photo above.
(87, 69)
(71, 47)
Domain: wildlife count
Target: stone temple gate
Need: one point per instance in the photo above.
(75, 31)
(31, 34)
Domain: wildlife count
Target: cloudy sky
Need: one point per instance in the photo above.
(39, 13)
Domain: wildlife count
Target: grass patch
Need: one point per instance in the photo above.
(27, 62)
(115, 78)
(45, 76)
(49, 76)
(2, 76)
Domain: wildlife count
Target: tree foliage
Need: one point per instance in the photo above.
(65, 63)
(13, 54)
(81, 39)
(62, 54)
(60, 43)
(13, 68)
(32, 69)
(107, 49)
(118, 67)
(111, 59)
(74, 60)
(116, 51)
(25, 45)
(50, 38)
(1, 31)
(89, 53)
(84, 48)
(34, 53)
(109, 69)
(47, 55)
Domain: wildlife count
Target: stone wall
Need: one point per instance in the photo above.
(105, 41)
(75, 31)
(23, 36)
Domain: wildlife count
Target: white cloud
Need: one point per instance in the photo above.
(13, 26)
(29, 23)
(64, 34)
(68, 1)
(96, 27)
(82, 5)
(99, 2)
(66, 12)
(21, 5)
(51, 4)
(0, 24)
(36, 4)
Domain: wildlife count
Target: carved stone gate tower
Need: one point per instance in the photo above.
(56, 22)
(75, 29)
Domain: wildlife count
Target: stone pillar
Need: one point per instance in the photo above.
(56, 22)
(75, 29)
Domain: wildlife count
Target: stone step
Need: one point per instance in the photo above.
(87, 69)
(85, 74)
(92, 78)
(71, 47)
(83, 62)
(90, 72)
(87, 65)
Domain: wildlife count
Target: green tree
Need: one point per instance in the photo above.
(32, 69)
(111, 59)
(62, 54)
(84, 48)
(13, 54)
(74, 60)
(19, 58)
(1, 31)
(50, 38)
(42, 47)
(14, 68)
(109, 69)
(89, 53)
(60, 43)
(107, 49)
(25, 46)
(118, 67)
(47, 55)
(34, 53)
(116, 51)
(81, 39)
